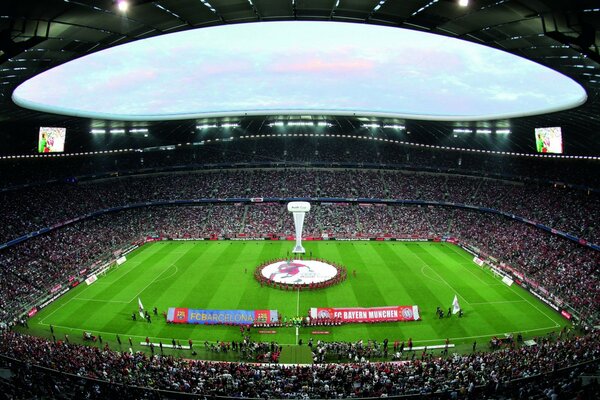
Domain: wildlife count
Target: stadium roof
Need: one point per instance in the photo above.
(36, 36)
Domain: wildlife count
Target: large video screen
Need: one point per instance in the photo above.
(549, 140)
(51, 140)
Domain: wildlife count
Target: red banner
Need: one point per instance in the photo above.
(373, 314)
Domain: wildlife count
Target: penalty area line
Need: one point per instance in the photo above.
(442, 278)
(100, 300)
(447, 284)
(155, 280)
(75, 297)
(497, 302)
(514, 290)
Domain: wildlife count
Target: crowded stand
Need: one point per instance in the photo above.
(570, 210)
(512, 371)
(564, 269)
(305, 151)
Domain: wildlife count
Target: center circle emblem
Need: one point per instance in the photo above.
(300, 273)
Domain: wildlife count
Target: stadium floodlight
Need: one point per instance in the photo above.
(300, 123)
(399, 127)
(483, 131)
(373, 125)
(122, 5)
(278, 123)
(323, 123)
(98, 131)
(463, 3)
(117, 131)
(230, 125)
(299, 210)
(138, 130)
(462, 130)
(206, 126)
(503, 131)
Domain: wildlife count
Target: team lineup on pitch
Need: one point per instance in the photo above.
(218, 275)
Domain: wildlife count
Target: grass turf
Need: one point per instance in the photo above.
(212, 275)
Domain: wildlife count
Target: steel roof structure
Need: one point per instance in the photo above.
(563, 35)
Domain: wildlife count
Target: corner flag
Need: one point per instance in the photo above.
(455, 305)
(141, 307)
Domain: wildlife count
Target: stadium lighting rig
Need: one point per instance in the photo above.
(300, 123)
(223, 125)
(122, 5)
(394, 126)
(372, 125)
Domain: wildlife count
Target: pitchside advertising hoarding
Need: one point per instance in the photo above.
(372, 314)
(180, 315)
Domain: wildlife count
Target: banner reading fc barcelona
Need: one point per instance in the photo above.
(221, 317)
(373, 314)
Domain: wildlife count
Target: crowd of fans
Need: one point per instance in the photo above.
(294, 151)
(247, 350)
(33, 268)
(564, 270)
(474, 375)
(570, 210)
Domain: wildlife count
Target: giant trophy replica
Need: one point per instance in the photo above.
(298, 209)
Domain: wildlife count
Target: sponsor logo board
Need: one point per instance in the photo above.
(179, 315)
(372, 314)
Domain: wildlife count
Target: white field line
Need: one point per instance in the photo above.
(427, 276)
(104, 281)
(65, 303)
(58, 308)
(534, 306)
(292, 344)
(297, 314)
(118, 268)
(124, 301)
(449, 285)
(100, 300)
(133, 336)
(499, 302)
(154, 281)
(487, 335)
(468, 268)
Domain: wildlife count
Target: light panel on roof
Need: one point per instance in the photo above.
(300, 68)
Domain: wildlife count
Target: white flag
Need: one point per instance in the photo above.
(455, 305)
(141, 306)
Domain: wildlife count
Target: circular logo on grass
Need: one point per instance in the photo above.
(299, 272)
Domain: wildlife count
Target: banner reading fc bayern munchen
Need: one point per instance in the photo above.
(373, 314)
(179, 315)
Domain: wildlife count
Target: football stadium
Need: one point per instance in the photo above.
(300, 199)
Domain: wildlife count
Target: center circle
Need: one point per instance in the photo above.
(299, 272)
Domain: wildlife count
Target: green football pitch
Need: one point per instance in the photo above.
(220, 275)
